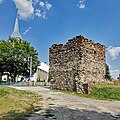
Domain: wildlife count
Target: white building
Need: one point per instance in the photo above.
(41, 73)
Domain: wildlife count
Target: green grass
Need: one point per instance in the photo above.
(110, 92)
(16, 104)
(102, 91)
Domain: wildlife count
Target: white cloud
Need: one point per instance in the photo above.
(26, 31)
(25, 8)
(114, 73)
(35, 2)
(1, 1)
(114, 52)
(109, 65)
(38, 13)
(41, 3)
(48, 5)
(43, 10)
(30, 8)
(81, 4)
(44, 14)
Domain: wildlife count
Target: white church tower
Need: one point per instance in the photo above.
(16, 33)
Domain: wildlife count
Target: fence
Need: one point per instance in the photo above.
(25, 83)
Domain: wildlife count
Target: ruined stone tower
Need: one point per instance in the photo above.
(76, 64)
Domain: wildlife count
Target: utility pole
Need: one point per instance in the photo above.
(30, 66)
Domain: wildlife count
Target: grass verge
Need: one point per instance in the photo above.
(101, 92)
(105, 91)
(16, 104)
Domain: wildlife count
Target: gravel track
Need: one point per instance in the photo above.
(61, 106)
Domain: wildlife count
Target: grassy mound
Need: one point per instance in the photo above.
(106, 92)
(103, 91)
(16, 104)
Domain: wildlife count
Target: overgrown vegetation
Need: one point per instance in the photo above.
(16, 104)
(103, 92)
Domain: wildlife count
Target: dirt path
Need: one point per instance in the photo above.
(61, 106)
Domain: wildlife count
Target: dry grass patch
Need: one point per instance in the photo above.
(16, 104)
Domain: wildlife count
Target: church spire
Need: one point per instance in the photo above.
(16, 33)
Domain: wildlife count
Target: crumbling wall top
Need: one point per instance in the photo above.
(78, 40)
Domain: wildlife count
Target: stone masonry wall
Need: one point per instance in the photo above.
(76, 64)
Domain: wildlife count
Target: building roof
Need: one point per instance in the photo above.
(44, 67)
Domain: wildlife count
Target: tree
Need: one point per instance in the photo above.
(107, 75)
(14, 57)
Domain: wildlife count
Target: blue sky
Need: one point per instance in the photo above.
(43, 23)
